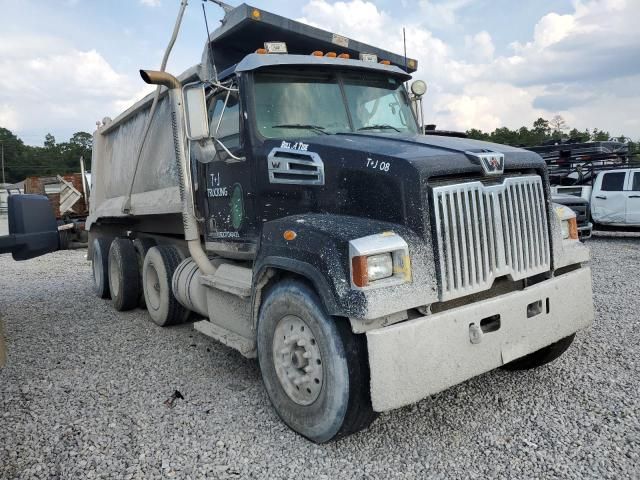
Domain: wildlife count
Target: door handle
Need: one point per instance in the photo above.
(601, 197)
(634, 196)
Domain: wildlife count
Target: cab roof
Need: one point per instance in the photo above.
(245, 29)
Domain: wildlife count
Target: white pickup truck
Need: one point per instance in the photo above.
(614, 198)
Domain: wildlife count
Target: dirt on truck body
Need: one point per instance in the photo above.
(282, 192)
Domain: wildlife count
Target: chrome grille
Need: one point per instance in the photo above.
(485, 232)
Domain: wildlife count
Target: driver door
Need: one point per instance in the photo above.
(227, 177)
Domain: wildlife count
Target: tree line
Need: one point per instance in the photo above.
(52, 158)
(21, 160)
(544, 131)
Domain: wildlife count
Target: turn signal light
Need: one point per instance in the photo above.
(573, 228)
(385, 62)
(289, 235)
(359, 271)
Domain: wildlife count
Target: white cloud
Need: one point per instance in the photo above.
(567, 67)
(480, 46)
(441, 13)
(8, 117)
(47, 83)
(150, 3)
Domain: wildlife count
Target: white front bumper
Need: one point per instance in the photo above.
(412, 360)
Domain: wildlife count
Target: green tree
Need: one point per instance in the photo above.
(600, 135)
(49, 141)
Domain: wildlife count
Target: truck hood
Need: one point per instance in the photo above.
(431, 155)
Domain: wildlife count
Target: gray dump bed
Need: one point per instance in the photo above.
(155, 188)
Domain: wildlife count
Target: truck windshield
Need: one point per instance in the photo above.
(314, 104)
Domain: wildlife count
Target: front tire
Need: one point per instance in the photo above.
(542, 356)
(315, 370)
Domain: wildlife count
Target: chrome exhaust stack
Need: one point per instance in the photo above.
(191, 230)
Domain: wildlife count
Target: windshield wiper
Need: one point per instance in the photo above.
(302, 126)
(379, 127)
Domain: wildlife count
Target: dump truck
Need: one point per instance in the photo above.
(282, 195)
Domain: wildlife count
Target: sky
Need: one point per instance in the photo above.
(65, 64)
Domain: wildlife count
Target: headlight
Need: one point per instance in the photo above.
(568, 222)
(379, 260)
(379, 266)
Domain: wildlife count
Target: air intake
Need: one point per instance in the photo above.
(295, 168)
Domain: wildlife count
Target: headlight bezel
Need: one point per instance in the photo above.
(568, 222)
(376, 246)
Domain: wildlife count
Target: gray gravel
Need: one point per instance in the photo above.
(84, 396)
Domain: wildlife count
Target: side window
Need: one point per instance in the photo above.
(635, 185)
(229, 130)
(613, 182)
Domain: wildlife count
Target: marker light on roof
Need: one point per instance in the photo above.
(275, 47)
(261, 51)
(331, 54)
(344, 55)
(317, 53)
(369, 57)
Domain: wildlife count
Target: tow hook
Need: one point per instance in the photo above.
(475, 333)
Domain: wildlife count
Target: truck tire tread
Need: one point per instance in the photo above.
(100, 266)
(122, 261)
(292, 297)
(166, 310)
(142, 246)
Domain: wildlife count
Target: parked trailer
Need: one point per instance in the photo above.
(288, 199)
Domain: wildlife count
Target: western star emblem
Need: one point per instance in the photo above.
(492, 162)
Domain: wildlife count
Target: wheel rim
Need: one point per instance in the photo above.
(297, 360)
(152, 287)
(114, 276)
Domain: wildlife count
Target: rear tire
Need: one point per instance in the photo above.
(159, 265)
(124, 282)
(100, 266)
(315, 370)
(542, 356)
(142, 246)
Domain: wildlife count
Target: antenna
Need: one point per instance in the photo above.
(404, 39)
(206, 24)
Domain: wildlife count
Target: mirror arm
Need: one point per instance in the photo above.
(224, 147)
(224, 107)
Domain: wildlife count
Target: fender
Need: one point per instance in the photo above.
(320, 253)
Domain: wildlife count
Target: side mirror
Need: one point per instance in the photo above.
(33, 230)
(195, 111)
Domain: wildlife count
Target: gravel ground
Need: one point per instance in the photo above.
(84, 394)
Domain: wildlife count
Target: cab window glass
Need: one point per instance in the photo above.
(229, 130)
(379, 103)
(613, 182)
(635, 185)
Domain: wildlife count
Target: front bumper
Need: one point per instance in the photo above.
(585, 230)
(412, 360)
